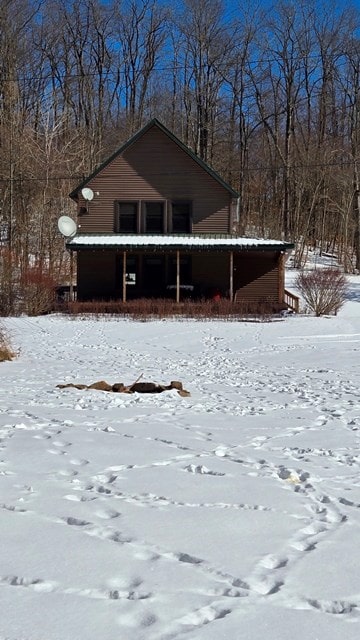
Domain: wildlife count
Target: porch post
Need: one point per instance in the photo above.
(281, 268)
(71, 286)
(231, 289)
(178, 276)
(124, 277)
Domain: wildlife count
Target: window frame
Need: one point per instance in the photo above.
(190, 215)
(117, 225)
(167, 216)
(163, 204)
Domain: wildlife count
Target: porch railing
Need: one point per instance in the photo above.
(292, 301)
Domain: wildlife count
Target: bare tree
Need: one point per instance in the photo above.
(141, 34)
(205, 49)
(80, 56)
(352, 92)
(241, 125)
(270, 99)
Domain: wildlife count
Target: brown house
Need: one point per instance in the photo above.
(156, 221)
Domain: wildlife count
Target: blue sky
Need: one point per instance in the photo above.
(267, 4)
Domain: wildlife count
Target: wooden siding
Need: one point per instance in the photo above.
(281, 272)
(256, 277)
(211, 271)
(155, 168)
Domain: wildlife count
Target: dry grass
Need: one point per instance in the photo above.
(150, 309)
(6, 352)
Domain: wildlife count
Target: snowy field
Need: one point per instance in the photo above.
(231, 514)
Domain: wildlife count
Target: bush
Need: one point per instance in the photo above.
(6, 353)
(9, 280)
(323, 290)
(31, 291)
(37, 292)
(154, 308)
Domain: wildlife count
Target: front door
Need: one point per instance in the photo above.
(153, 279)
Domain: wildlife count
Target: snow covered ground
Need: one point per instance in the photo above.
(231, 514)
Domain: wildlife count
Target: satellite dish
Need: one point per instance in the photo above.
(67, 226)
(87, 193)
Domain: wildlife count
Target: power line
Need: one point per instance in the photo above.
(112, 75)
(250, 169)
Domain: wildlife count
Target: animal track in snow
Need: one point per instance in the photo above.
(60, 443)
(336, 607)
(185, 557)
(34, 583)
(57, 452)
(201, 469)
(68, 473)
(195, 620)
(14, 508)
(107, 514)
(252, 401)
(47, 586)
(274, 562)
(76, 522)
(79, 462)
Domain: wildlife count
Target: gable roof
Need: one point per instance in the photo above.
(133, 140)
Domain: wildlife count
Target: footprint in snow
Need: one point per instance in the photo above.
(201, 469)
(107, 514)
(336, 607)
(79, 462)
(75, 522)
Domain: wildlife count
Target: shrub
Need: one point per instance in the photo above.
(6, 353)
(150, 308)
(37, 292)
(323, 290)
(9, 282)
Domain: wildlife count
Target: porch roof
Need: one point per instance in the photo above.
(174, 242)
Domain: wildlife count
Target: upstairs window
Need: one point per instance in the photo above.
(127, 217)
(154, 217)
(181, 217)
(151, 217)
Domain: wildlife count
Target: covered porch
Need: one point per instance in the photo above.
(124, 267)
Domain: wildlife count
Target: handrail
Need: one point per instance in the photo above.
(292, 301)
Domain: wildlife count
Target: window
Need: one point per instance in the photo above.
(127, 217)
(154, 217)
(181, 217)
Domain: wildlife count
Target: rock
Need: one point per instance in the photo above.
(118, 387)
(146, 387)
(137, 387)
(71, 384)
(175, 384)
(101, 386)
